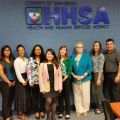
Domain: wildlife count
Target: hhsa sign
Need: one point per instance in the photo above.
(62, 15)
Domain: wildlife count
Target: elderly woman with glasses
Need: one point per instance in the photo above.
(82, 68)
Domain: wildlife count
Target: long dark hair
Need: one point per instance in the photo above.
(11, 58)
(42, 55)
(100, 50)
(66, 55)
(54, 61)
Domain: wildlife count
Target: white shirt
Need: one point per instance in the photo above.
(20, 67)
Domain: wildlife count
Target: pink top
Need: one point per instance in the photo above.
(44, 78)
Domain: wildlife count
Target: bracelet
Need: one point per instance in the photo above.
(83, 76)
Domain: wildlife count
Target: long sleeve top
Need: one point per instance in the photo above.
(32, 71)
(20, 67)
(66, 67)
(84, 65)
(44, 78)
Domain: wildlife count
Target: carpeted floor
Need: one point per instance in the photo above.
(90, 116)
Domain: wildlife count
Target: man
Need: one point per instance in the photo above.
(111, 85)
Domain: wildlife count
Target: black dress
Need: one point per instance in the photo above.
(52, 92)
(22, 96)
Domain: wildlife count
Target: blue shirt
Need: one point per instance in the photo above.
(84, 65)
(10, 75)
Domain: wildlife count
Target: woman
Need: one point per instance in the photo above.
(66, 68)
(22, 93)
(98, 64)
(82, 67)
(37, 56)
(7, 81)
(50, 78)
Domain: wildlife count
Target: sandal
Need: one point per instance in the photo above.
(37, 115)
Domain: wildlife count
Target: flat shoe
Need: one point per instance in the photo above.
(98, 111)
(60, 116)
(67, 117)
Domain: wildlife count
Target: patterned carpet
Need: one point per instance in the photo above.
(90, 116)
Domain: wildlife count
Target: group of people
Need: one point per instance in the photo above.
(43, 80)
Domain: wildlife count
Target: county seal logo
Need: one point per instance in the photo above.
(34, 16)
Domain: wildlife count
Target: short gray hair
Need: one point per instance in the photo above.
(81, 43)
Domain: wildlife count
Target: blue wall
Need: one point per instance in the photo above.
(13, 28)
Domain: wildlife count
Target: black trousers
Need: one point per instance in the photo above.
(111, 89)
(38, 101)
(64, 96)
(7, 98)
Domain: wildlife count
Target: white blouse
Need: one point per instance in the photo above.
(20, 67)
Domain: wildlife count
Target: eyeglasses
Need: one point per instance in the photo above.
(79, 47)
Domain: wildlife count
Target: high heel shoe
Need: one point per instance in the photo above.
(21, 117)
(48, 117)
(8, 118)
(37, 116)
(53, 117)
(42, 114)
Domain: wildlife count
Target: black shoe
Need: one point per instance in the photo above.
(98, 111)
(67, 116)
(48, 117)
(53, 117)
(60, 116)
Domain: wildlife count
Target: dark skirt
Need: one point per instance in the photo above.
(52, 93)
(22, 98)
